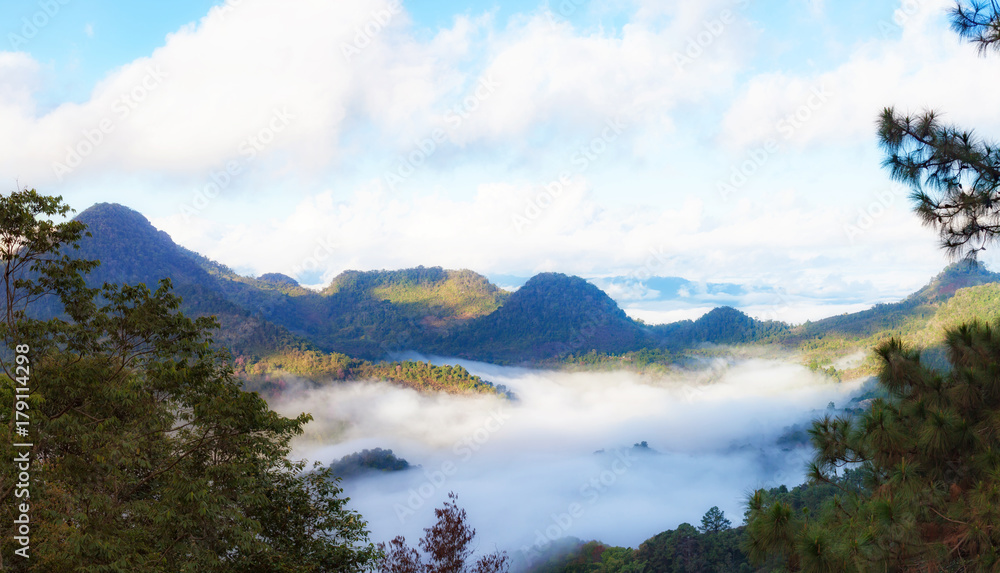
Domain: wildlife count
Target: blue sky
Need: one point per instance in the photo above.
(724, 141)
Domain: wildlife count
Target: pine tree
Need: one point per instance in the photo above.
(954, 173)
(714, 521)
(931, 456)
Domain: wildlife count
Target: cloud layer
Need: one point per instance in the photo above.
(519, 467)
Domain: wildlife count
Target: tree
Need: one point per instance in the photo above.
(931, 457)
(145, 453)
(930, 452)
(446, 543)
(715, 521)
(954, 174)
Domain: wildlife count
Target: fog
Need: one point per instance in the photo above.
(527, 471)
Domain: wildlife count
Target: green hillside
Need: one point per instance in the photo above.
(551, 315)
(272, 324)
(723, 325)
(264, 322)
(962, 292)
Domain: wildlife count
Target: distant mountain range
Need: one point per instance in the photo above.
(271, 322)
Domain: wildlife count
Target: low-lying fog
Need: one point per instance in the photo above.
(526, 470)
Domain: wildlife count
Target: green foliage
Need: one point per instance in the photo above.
(715, 548)
(714, 521)
(592, 557)
(366, 461)
(268, 375)
(35, 257)
(686, 549)
(928, 453)
(954, 173)
(552, 315)
(146, 455)
(978, 22)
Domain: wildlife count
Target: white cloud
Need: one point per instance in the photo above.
(345, 68)
(859, 253)
(926, 67)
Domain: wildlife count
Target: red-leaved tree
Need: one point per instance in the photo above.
(447, 545)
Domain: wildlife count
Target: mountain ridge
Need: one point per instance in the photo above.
(366, 315)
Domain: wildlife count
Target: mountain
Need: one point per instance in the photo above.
(913, 311)
(264, 322)
(722, 325)
(367, 314)
(272, 323)
(131, 250)
(962, 292)
(959, 275)
(551, 315)
(361, 314)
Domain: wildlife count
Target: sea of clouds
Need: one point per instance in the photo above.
(559, 460)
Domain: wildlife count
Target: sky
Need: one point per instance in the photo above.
(725, 142)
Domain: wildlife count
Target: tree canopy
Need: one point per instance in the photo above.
(145, 453)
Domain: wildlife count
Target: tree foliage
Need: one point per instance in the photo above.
(954, 173)
(930, 454)
(714, 521)
(447, 546)
(146, 454)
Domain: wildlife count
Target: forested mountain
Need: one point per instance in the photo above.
(364, 315)
(271, 323)
(723, 325)
(919, 306)
(962, 292)
(551, 315)
(264, 322)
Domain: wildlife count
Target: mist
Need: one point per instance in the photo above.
(558, 460)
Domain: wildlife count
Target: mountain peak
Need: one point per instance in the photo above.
(278, 279)
(551, 315)
(132, 250)
(955, 276)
